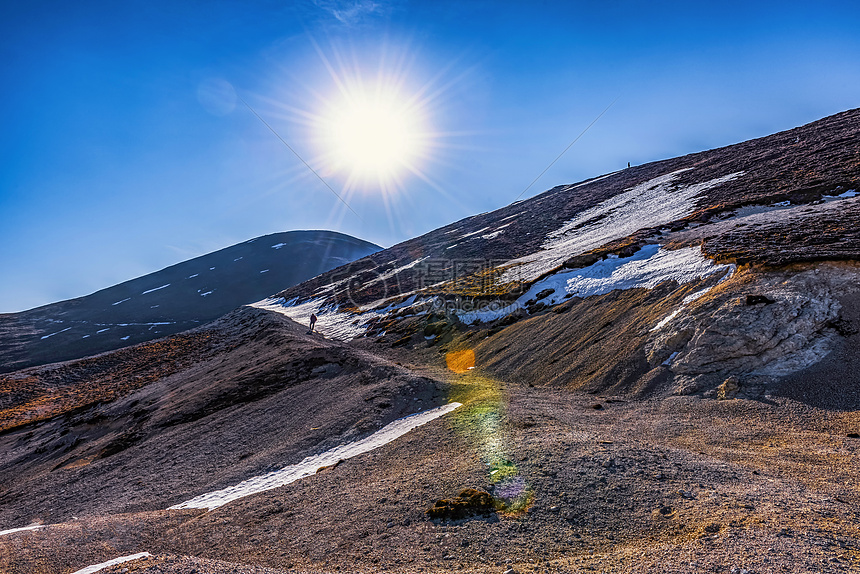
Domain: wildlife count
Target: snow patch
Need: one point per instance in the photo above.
(490, 313)
(331, 323)
(123, 301)
(96, 567)
(102, 330)
(845, 195)
(465, 235)
(264, 271)
(22, 529)
(279, 245)
(499, 230)
(311, 464)
(193, 276)
(690, 298)
(57, 333)
(647, 268)
(665, 321)
(156, 289)
(207, 293)
(124, 338)
(650, 204)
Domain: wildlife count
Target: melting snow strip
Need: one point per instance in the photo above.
(96, 567)
(311, 464)
(156, 289)
(649, 204)
(647, 268)
(22, 529)
(57, 333)
(689, 299)
(123, 301)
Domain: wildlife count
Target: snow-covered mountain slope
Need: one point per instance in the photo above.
(689, 222)
(172, 300)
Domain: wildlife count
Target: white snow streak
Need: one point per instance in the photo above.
(689, 299)
(465, 235)
(156, 289)
(389, 274)
(123, 301)
(22, 529)
(57, 333)
(665, 321)
(311, 464)
(96, 567)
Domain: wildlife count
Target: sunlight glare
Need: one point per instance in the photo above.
(373, 134)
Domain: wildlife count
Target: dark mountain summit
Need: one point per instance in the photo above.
(174, 299)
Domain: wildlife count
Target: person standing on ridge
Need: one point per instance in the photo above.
(313, 322)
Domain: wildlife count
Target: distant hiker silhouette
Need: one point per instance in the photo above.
(313, 322)
(628, 164)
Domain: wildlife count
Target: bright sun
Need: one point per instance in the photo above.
(374, 136)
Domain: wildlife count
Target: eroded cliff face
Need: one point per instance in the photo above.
(755, 327)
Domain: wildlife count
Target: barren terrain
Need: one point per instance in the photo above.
(670, 383)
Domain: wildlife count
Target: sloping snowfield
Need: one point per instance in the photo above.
(312, 464)
(650, 204)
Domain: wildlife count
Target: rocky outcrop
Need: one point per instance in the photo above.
(787, 324)
(469, 502)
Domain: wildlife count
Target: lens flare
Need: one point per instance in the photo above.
(482, 420)
(460, 361)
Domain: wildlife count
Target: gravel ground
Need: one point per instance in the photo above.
(677, 485)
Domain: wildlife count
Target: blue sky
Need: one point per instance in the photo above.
(126, 147)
